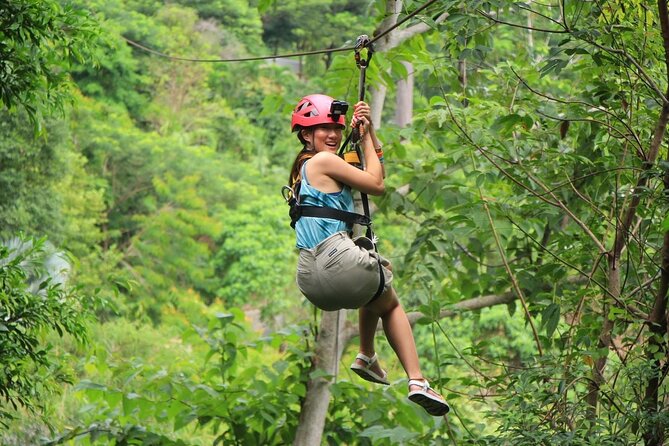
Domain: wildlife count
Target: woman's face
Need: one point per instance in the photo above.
(323, 138)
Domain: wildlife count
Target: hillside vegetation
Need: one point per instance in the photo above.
(147, 265)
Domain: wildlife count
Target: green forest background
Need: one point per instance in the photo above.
(147, 291)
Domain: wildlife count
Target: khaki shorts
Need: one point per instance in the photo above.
(339, 274)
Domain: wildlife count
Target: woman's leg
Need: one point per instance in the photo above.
(367, 323)
(398, 331)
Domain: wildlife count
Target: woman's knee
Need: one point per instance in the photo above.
(388, 265)
(384, 303)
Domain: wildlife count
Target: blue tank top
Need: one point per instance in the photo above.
(311, 231)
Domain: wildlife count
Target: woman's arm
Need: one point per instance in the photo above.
(326, 171)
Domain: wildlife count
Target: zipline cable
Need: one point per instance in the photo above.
(280, 56)
(239, 59)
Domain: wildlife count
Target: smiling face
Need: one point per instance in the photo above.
(323, 138)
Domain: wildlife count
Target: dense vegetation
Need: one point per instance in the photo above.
(147, 288)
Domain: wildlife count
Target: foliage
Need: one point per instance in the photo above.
(34, 300)
(531, 178)
(51, 192)
(241, 18)
(30, 170)
(293, 26)
(251, 264)
(535, 150)
(39, 42)
(231, 395)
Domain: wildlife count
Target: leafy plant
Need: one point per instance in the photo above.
(39, 42)
(34, 300)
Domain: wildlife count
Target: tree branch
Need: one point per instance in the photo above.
(476, 303)
(419, 28)
(568, 211)
(397, 37)
(515, 25)
(642, 73)
(512, 277)
(636, 139)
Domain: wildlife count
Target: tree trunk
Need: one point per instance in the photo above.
(390, 41)
(657, 349)
(604, 342)
(378, 94)
(326, 357)
(404, 101)
(622, 234)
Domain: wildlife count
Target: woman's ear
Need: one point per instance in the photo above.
(306, 137)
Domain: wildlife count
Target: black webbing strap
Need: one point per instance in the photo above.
(362, 43)
(382, 279)
(337, 214)
(365, 208)
(351, 218)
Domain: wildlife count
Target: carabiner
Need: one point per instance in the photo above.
(287, 193)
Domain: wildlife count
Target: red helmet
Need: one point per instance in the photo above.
(314, 110)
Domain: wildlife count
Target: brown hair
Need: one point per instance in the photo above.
(295, 172)
(295, 175)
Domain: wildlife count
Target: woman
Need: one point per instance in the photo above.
(333, 272)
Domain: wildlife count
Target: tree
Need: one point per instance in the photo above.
(561, 182)
(296, 26)
(39, 41)
(392, 40)
(34, 298)
(241, 18)
(48, 191)
(512, 202)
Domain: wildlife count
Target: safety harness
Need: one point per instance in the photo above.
(297, 211)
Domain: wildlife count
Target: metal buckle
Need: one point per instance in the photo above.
(287, 193)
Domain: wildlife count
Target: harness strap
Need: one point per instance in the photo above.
(363, 42)
(382, 280)
(297, 211)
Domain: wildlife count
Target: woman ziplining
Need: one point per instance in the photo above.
(334, 271)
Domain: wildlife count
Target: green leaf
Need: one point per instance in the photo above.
(664, 226)
(184, 419)
(85, 384)
(550, 317)
(505, 123)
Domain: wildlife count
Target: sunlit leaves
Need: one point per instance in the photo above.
(39, 41)
(245, 389)
(31, 302)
